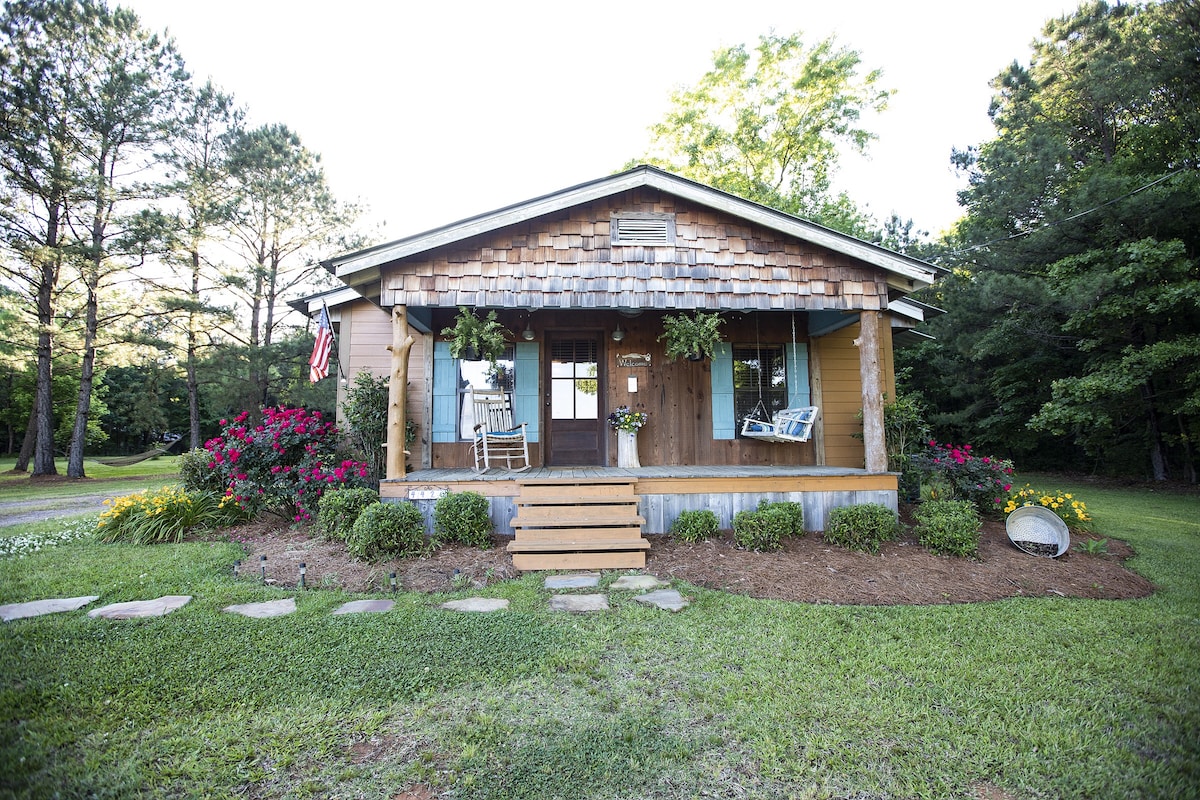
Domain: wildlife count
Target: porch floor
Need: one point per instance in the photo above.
(634, 473)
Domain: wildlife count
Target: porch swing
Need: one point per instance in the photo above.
(792, 424)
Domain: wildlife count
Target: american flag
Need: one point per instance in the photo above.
(318, 364)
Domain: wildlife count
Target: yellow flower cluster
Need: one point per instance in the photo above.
(1064, 504)
(168, 498)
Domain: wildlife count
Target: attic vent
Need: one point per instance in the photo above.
(649, 230)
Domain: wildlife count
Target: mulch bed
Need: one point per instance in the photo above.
(807, 570)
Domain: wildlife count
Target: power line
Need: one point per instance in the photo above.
(1075, 216)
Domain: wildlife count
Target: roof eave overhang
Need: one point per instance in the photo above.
(362, 268)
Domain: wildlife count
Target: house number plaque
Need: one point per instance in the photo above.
(633, 360)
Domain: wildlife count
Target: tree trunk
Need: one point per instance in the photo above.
(1158, 460)
(402, 343)
(30, 437)
(193, 385)
(870, 370)
(83, 406)
(43, 452)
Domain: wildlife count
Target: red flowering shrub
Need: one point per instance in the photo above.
(282, 463)
(983, 480)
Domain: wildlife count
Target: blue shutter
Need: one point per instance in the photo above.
(525, 394)
(445, 394)
(722, 392)
(799, 392)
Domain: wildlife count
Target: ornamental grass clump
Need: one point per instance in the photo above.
(282, 463)
(983, 480)
(694, 526)
(1068, 508)
(463, 517)
(339, 509)
(948, 527)
(863, 527)
(388, 530)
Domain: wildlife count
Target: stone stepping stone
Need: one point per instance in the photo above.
(482, 605)
(579, 603)
(37, 608)
(271, 608)
(638, 583)
(365, 607)
(667, 599)
(142, 608)
(582, 580)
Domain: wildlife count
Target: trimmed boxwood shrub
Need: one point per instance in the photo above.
(463, 517)
(949, 527)
(862, 527)
(792, 510)
(694, 526)
(761, 530)
(338, 510)
(388, 530)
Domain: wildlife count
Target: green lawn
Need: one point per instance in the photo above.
(18, 487)
(733, 697)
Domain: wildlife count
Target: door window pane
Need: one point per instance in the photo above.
(574, 380)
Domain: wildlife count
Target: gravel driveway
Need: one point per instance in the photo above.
(19, 513)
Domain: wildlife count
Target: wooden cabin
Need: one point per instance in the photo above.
(582, 279)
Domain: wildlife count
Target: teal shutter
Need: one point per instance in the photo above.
(799, 391)
(445, 394)
(722, 392)
(525, 394)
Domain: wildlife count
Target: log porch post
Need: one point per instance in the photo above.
(870, 370)
(402, 343)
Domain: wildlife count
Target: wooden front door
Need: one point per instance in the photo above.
(574, 386)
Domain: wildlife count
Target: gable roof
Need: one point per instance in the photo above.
(361, 269)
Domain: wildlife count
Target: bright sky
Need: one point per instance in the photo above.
(430, 111)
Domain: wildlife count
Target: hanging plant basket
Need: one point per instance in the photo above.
(474, 339)
(692, 337)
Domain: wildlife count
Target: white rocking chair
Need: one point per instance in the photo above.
(788, 424)
(496, 438)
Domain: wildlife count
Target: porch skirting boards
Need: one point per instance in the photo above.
(664, 492)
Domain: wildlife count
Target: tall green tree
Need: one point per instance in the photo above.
(87, 94)
(285, 217)
(198, 159)
(1074, 307)
(767, 123)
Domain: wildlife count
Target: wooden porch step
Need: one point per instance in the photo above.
(614, 534)
(585, 516)
(576, 499)
(629, 559)
(578, 546)
(577, 523)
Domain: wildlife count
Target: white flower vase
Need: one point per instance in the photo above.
(627, 454)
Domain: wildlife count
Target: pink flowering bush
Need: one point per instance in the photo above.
(957, 472)
(281, 462)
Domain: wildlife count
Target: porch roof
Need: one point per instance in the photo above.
(362, 269)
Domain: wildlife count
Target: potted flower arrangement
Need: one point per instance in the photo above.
(627, 423)
(695, 337)
(622, 419)
(475, 339)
